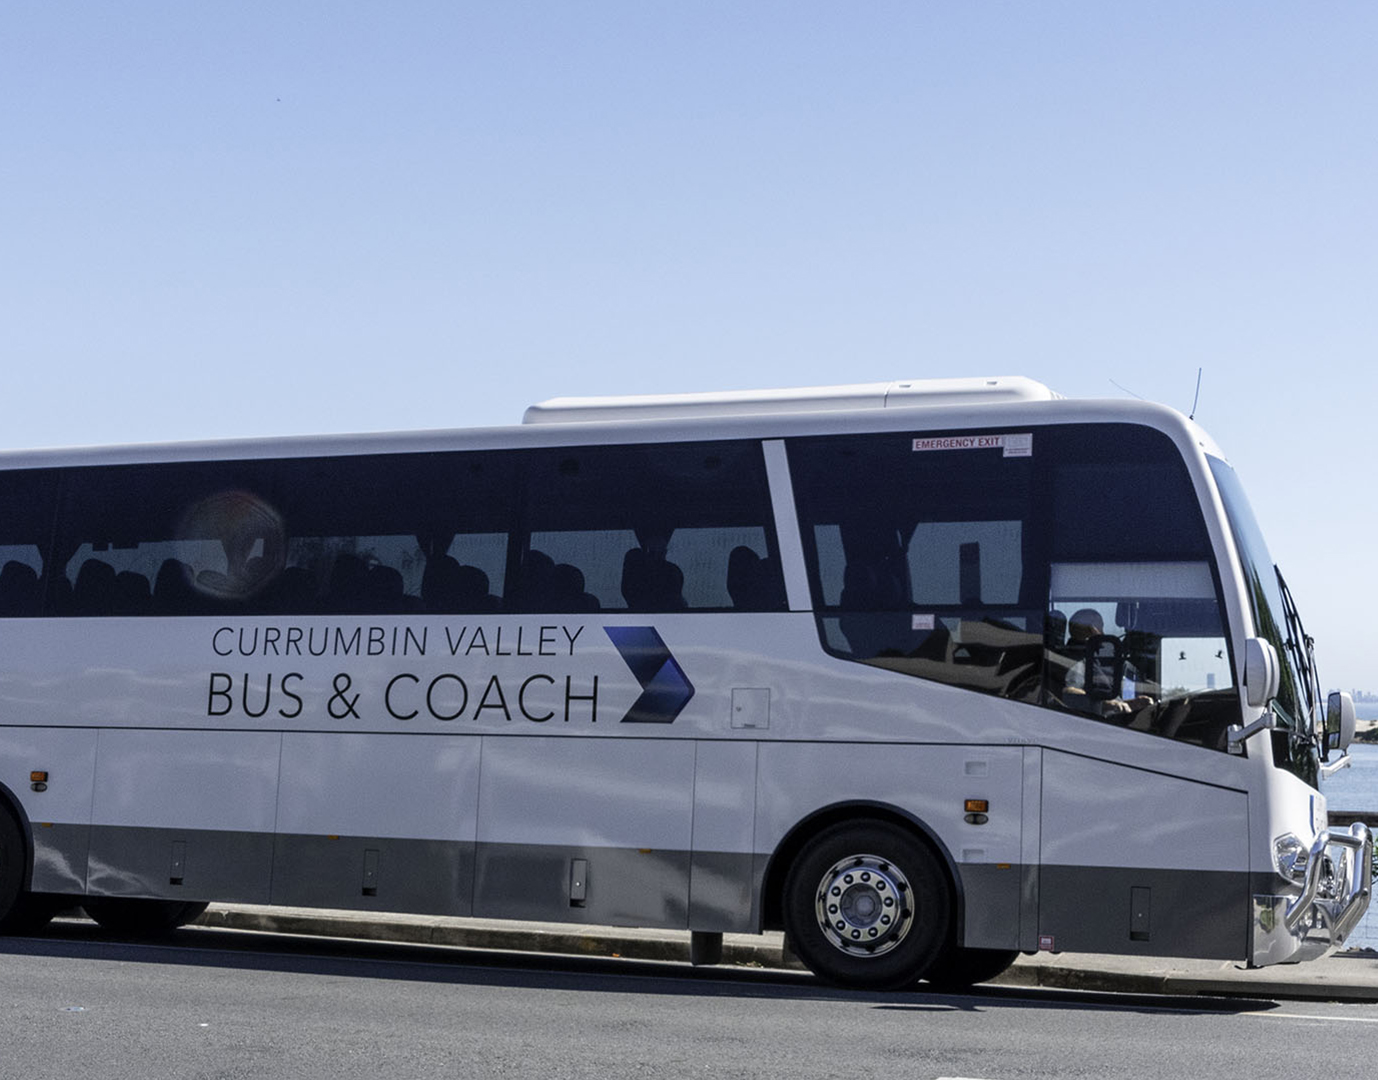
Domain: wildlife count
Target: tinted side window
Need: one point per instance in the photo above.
(638, 528)
(181, 538)
(1067, 566)
(396, 534)
(376, 534)
(27, 503)
(1136, 634)
(923, 559)
(648, 528)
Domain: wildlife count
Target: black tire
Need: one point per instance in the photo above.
(958, 968)
(21, 912)
(138, 917)
(13, 864)
(30, 914)
(867, 905)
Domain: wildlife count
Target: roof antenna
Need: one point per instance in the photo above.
(1126, 390)
(1197, 398)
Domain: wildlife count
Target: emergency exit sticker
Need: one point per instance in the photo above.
(1014, 444)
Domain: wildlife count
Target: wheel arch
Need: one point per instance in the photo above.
(851, 812)
(10, 804)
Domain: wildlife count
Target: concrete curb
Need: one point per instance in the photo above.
(1322, 980)
(1233, 983)
(509, 937)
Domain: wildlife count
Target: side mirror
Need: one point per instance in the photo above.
(1339, 722)
(1262, 674)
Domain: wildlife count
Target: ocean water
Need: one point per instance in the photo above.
(1356, 788)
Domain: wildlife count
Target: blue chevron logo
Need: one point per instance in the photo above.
(665, 689)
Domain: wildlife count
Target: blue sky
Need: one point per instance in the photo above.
(256, 219)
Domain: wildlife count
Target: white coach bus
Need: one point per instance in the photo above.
(925, 675)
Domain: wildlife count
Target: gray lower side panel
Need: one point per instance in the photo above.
(424, 877)
(614, 886)
(725, 891)
(991, 913)
(1195, 913)
(60, 858)
(611, 887)
(190, 864)
(1083, 909)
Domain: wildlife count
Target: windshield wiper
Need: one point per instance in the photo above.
(1302, 647)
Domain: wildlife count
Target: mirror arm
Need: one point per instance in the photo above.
(1336, 766)
(1238, 736)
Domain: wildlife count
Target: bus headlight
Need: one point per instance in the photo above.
(1291, 858)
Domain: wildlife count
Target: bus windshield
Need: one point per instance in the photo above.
(1276, 621)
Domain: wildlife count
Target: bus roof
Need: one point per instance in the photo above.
(935, 403)
(912, 393)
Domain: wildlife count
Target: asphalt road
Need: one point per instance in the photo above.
(226, 1004)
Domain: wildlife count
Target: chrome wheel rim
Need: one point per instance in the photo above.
(864, 905)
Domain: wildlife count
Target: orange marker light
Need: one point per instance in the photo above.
(977, 806)
(38, 776)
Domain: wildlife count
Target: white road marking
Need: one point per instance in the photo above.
(1311, 1016)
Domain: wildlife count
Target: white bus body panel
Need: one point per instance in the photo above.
(421, 787)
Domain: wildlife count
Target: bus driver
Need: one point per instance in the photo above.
(1084, 629)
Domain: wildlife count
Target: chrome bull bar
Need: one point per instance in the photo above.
(1337, 890)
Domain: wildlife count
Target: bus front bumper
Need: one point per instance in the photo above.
(1333, 898)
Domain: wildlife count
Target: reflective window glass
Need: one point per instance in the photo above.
(1066, 566)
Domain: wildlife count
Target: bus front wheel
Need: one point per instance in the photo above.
(867, 905)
